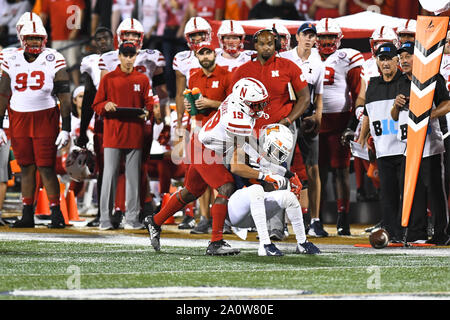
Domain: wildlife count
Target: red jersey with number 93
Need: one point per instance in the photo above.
(32, 83)
(228, 122)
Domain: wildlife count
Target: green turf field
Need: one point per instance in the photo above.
(71, 266)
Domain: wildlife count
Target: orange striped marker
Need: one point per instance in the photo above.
(428, 49)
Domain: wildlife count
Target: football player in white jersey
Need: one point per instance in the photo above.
(231, 37)
(196, 31)
(313, 69)
(33, 76)
(407, 31)
(90, 74)
(340, 87)
(219, 137)
(252, 206)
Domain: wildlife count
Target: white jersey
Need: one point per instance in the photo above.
(384, 129)
(336, 93)
(369, 70)
(89, 64)
(229, 121)
(147, 61)
(445, 71)
(434, 143)
(233, 63)
(5, 53)
(186, 63)
(32, 83)
(312, 68)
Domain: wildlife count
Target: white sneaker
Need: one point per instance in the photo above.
(105, 227)
(137, 226)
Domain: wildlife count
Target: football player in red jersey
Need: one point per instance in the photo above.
(34, 116)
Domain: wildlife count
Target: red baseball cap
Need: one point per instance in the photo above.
(204, 45)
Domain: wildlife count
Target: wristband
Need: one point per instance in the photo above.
(288, 120)
(261, 176)
(288, 174)
(66, 123)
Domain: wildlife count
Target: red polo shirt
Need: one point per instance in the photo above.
(126, 90)
(275, 74)
(214, 86)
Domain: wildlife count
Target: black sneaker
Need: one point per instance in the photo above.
(94, 223)
(317, 230)
(202, 227)
(57, 218)
(440, 240)
(187, 223)
(27, 220)
(116, 218)
(269, 250)
(377, 226)
(307, 248)
(154, 232)
(342, 225)
(220, 248)
(276, 234)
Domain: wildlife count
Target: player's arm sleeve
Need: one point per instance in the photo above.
(354, 82)
(61, 84)
(88, 99)
(100, 98)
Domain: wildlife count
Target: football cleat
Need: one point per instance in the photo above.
(187, 223)
(220, 248)
(342, 225)
(307, 248)
(269, 250)
(57, 218)
(27, 220)
(316, 230)
(154, 232)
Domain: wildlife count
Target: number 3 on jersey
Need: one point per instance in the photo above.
(22, 81)
(329, 76)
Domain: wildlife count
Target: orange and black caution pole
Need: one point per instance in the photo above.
(429, 45)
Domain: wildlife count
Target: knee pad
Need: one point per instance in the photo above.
(256, 192)
(290, 200)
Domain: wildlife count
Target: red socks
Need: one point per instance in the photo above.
(170, 208)
(218, 215)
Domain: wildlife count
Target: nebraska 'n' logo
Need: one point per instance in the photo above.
(215, 84)
(275, 73)
(243, 92)
(137, 87)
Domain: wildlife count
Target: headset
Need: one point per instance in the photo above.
(276, 35)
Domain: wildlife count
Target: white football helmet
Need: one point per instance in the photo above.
(381, 35)
(197, 25)
(27, 16)
(33, 29)
(283, 32)
(130, 25)
(328, 26)
(278, 142)
(252, 95)
(231, 28)
(408, 28)
(80, 164)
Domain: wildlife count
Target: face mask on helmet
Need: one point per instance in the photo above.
(80, 164)
(33, 37)
(231, 37)
(197, 30)
(252, 95)
(131, 30)
(382, 35)
(278, 142)
(328, 43)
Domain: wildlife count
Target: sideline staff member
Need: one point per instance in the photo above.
(380, 96)
(123, 87)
